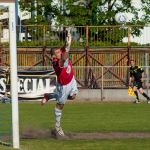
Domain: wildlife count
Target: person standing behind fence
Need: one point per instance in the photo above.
(66, 86)
(7, 90)
(136, 80)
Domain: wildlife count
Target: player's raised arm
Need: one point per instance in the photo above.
(65, 55)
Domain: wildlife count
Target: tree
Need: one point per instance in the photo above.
(85, 12)
(77, 12)
(102, 12)
(89, 12)
(42, 11)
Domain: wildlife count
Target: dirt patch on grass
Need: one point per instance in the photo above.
(38, 134)
(109, 135)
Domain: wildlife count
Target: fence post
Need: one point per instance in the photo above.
(0, 43)
(0, 31)
(86, 66)
(26, 33)
(128, 55)
(129, 36)
(86, 58)
(129, 44)
(147, 70)
(44, 56)
(44, 38)
(102, 84)
(87, 36)
(1, 55)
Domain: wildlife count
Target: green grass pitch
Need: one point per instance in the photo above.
(86, 117)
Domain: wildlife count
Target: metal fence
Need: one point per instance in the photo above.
(91, 36)
(83, 36)
(112, 81)
(81, 57)
(103, 82)
(97, 82)
(100, 46)
(107, 76)
(99, 61)
(100, 77)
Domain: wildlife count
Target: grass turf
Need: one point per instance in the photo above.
(87, 117)
(46, 144)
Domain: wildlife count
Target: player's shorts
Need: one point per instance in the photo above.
(138, 84)
(64, 91)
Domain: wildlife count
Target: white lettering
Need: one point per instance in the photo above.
(40, 85)
(20, 85)
(34, 85)
(26, 85)
(2, 85)
(29, 85)
(47, 84)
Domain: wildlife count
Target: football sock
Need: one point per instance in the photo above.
(136, 93)
(58, 114)
(145, 95)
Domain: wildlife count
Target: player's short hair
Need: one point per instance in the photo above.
(132, 60)
(53, 49)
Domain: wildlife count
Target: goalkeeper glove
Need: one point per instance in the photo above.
(68, 42)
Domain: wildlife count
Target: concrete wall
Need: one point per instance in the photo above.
(108, 95)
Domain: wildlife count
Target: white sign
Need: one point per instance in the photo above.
(32, 86)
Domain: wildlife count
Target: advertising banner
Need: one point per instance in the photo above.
(31, 84)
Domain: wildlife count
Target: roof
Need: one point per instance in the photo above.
(7, 1)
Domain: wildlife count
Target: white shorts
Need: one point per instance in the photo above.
(64, 91)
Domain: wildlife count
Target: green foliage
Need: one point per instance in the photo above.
(102, 12)
(29, 43)
(5, 44)
(84, 12)
(81, 13)
(75, 44)
(42, 11)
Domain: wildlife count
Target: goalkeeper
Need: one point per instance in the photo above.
(66, 86)
(136, 78)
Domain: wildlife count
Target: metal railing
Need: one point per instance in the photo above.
(83, 36)
(105, 80)
(100, 77)
(108, 77)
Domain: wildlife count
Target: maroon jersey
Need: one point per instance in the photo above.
(64, 73)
